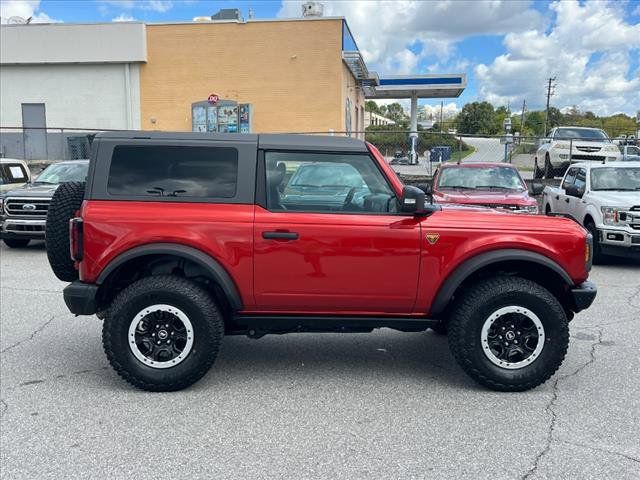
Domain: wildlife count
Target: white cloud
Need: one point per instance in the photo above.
(24, 9)
(384, 30)
(588, 49)
(154, 5)
(449, 110)
(123, 17)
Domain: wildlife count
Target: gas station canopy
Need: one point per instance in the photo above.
(422, 86)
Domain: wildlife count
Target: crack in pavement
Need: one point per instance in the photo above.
(30, 337)
(633, 296)
(18, 289)
(5, 407)
(600, 449)
(552, 403)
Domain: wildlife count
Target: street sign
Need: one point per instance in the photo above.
(213, 98)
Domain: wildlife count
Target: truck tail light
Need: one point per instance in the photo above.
(75, 239)
(588, 252)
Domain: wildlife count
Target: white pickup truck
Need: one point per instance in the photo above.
(605, 199)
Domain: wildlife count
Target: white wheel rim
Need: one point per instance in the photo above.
(163, 339)
(511, 339)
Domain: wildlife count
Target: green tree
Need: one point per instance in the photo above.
(396, 113)
(477, 118)
(371, 106)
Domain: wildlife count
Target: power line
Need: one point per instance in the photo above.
(550, 92)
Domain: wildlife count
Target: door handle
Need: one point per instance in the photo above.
(566, 200)
(557, 197)
(280, 235)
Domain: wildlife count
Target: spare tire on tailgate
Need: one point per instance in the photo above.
(64, 204)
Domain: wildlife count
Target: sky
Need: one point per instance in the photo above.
(507, 48)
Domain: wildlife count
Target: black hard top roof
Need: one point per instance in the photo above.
(274, 141)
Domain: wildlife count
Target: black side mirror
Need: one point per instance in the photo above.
(574, 191)
(426, 188)
(536, 187)
(412, 200)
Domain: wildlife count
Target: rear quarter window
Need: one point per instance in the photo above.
(173, 171)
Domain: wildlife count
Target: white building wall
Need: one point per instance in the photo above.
(101, 96)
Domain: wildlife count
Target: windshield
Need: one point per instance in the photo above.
(64, 172)
(624, 179)
(13, 173)
(327, 175)
(502, 178)
(581, 134)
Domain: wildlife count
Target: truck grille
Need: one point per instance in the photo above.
(27, 207)
(598, 158)
(589, 149)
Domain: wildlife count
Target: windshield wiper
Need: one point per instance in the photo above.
(43, 182)
(496, 187)
(459, 187)
(617, 189)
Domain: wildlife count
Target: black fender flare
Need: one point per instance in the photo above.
(212, 266)
(473, 264)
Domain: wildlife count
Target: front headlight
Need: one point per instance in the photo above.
(561, 146)
(611, 215)
(531, 208)
(611, 148)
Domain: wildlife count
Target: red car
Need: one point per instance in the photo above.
(497, 185)
(177, 240)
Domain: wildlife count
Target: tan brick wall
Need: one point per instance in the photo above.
(291, 72)
(355, 94)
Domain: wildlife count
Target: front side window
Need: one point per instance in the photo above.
(173, 171)
(570, 177)
(326, 182)
(581, 179)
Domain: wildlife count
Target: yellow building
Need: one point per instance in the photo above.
(298, 75)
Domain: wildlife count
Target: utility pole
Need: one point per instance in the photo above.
(550, 93)
(524, 106)
(441, 106)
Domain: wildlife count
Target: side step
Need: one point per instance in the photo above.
(256, 326)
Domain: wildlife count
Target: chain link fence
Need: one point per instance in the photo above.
(410, 158)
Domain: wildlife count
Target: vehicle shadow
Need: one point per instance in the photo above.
(305, 357)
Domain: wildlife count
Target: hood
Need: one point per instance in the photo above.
(479, 197)
(31, 190)
(616, 199)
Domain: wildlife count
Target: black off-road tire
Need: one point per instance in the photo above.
(186, 295)
(538, 173)
(440, 329)
(474, 308)
(66, 200)
(16, 242)
(549, 171)
(598, 257)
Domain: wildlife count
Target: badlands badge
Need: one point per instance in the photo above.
(432, 238)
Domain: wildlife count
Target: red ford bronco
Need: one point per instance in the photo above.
(178, 239)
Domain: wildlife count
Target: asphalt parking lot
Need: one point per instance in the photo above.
(381, 405)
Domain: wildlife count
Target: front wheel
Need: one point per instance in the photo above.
(162, 333)
(16, 242)
(509, 333)
(548, 167)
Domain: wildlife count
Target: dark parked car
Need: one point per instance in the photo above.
(23, 212)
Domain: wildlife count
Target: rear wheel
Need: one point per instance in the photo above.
(162, 333)
(16, 242)
(509, 333)
(537, 171)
